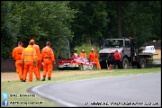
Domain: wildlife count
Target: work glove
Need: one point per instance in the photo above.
(35, 64)
(22, 63)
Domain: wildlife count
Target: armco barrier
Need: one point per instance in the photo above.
(8, 65)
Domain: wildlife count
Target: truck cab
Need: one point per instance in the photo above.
(126, 48)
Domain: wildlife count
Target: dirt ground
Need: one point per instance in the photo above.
(10, 76)
(158, 52)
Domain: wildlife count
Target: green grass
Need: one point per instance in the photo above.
(17, 87)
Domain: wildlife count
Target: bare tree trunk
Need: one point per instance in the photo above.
(88, 41)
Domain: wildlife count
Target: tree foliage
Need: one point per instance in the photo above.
(10, 23)
(138, 19)
(80, 22)
(90, 21)
(41, 20)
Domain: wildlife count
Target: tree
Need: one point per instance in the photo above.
(112, 19)
(118, 5)
(90, 21)
(77, 21)
(41, 20)
(139, 21)
(10, 23)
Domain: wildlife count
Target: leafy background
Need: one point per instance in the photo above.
(82, 24)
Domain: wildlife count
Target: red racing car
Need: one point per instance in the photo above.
(77, 63)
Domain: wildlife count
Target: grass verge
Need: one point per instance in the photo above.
(18, 95)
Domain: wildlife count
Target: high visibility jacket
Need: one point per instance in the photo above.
(117, 56)
(96, 55)
(92, 56)
(37, 49)
(47, 53)
(83, 54)
(29, 54)
(16, 53)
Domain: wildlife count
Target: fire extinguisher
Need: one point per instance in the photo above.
(110, 66)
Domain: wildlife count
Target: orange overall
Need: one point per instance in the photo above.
(93, 57)
(82, 54)
(16, 54)
(29, 57)
(97, 61)
(48, 58)
(38, 62)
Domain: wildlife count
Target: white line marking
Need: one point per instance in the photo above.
(35, 89)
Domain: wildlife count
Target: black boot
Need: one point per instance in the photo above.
(43, 78)
(49, 78)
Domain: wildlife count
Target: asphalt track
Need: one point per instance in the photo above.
(133, 90)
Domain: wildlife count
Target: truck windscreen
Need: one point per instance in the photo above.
(113, 43)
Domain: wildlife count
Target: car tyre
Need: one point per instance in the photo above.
(81, 67)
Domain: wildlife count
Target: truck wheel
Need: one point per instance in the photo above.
(142, 63)
(103, 64)
(125, 63)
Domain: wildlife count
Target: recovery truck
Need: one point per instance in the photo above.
(127, 49)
